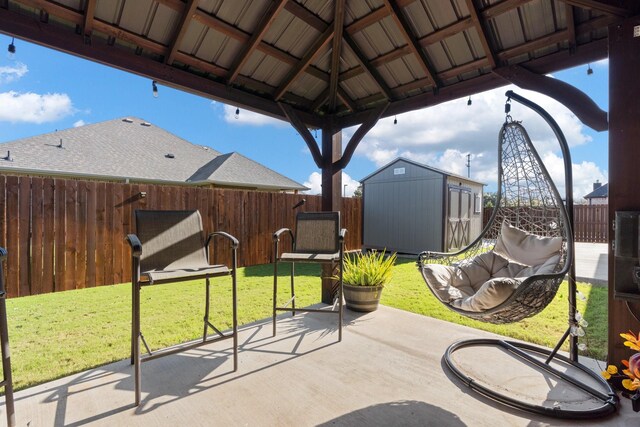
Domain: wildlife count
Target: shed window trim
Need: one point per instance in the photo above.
(477, 203)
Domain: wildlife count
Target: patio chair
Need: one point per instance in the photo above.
(170, 247)
(318, 239)
(515, 266)
(7, 381)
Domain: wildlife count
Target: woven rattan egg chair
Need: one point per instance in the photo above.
(514, 268)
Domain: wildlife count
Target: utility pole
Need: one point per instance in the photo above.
(468, 165)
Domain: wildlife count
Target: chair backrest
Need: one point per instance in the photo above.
(170, 240)
(527, 196)
(317, 232)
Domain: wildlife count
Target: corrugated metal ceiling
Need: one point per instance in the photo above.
(391, 52)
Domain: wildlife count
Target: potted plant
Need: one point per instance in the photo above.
(364, 277)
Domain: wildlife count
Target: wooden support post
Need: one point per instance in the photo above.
(624, 152)
(331, 193)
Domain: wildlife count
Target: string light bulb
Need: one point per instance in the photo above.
(589, 70)
(11, 49)
(469, 101)
(395, 120)
(154, 87)
(237, 113)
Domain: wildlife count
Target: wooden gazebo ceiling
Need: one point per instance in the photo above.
(332, 62)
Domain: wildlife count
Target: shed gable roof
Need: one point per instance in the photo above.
(419, 165)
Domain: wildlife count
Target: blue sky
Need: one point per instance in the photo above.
(42, 90)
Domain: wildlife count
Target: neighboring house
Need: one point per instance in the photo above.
(599, 195)
(132, 150)
(409, 207)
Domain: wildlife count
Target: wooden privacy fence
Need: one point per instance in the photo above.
(64, 234)
(590, 222)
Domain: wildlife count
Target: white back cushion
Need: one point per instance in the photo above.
(525, 248)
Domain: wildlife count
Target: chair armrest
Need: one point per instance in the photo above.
(276, 235)
(136, 246)
(343, 233)
(234, 242)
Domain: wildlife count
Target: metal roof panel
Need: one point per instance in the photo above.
(136, 16)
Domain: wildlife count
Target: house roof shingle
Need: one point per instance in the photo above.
(130, 148)
(600, 192)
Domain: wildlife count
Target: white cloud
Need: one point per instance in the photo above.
(584, 175)
(441, 136)
(79, 123)
(314, 182)
(250, 118)
(10, 73)
(34, 108)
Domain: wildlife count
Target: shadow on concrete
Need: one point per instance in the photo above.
(399, 413)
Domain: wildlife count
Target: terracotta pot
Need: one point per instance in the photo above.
(362, 298)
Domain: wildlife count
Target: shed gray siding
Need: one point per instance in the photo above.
(403, 212)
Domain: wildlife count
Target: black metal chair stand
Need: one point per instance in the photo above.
(318, 239)
(170, 247)
(608, 400)
(7, 381)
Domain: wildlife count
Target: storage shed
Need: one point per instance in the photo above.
(409, 207)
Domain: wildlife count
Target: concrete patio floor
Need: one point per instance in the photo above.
(387, 371)
(592, 263)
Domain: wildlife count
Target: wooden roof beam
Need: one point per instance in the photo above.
(298, 124)
(334, 75)
(89, 13)
(361, 23)
(67, 41)
(571, 97)
(530, 46)
(403, 25)
(346, 99)
(237, 34)
(366, 66)
(305, 15)
(571, 26)
(504, 6)
(482, 30)
(312, 53)
(320, 99)
(256, 38)
(447, 31)
(369, 122)
(608, 7)
(187, 14)
(558, 60)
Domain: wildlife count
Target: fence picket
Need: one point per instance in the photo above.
(24, 217)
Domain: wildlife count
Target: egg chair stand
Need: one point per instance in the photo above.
(528, 198)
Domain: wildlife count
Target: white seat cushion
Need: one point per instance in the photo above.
(487, 280)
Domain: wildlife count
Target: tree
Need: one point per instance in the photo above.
(489, 199)
(358, 191)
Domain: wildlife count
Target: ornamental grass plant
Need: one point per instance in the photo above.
(368, 268)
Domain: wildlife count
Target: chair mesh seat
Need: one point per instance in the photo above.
(185, 273)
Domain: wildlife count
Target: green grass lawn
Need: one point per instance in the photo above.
(57, 334)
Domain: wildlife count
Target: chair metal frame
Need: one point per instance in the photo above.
(7, 381)
(138, 283)
(336, 259)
